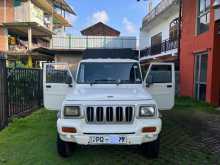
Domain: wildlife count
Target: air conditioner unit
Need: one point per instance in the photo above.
(216, 6)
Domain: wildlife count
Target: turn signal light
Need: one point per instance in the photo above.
(149, 129)
(68, 130)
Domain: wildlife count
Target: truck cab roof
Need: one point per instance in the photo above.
(107, 54)
(101, 60)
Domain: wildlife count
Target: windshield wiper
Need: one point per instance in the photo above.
(104, 80)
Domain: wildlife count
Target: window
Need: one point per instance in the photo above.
(174, 29)
(160, 74)
(17, 3)
(203, 18)
(200, 76)
(156, 43)
(218, 27)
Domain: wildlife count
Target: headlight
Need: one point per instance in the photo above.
(72, 111)
(147, 111)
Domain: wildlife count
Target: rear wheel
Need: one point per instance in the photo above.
(152, 149)
(65, 149)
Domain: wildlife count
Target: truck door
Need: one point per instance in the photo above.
(160, 82)
(57, 82)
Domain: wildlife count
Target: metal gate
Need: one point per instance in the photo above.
(25, 91)
(21, 91)
(3, 93)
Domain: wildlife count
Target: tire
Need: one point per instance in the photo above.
(65, 149)
(152, 149)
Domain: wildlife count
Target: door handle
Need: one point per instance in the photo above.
(169, 86)
(48, 86)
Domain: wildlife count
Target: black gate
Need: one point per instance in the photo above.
(3, 93)
(25, 91)
(21, 91)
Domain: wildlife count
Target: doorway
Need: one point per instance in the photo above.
(201, 63)
(156, 43)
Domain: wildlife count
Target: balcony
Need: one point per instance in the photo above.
(17, 45)
(83, 42)
(37, 15)
(162, 7)
(167, 47)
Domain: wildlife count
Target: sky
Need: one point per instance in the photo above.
(123, 15)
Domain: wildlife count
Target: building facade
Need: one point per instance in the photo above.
(27, 27)
(159, 33)
(200, 50)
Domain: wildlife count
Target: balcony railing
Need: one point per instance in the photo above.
(21, 14)
(162, 6)
(164, 47)
(22, 45)
(83, 42)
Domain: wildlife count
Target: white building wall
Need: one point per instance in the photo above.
(162, 25)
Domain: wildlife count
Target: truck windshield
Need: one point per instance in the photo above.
(109, 73)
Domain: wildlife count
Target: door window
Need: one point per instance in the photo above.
(160, 74)
(201, 62)
(57, 73)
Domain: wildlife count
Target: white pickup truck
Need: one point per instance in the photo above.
(108, 102)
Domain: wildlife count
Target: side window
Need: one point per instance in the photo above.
(160, 74)
(57, 73)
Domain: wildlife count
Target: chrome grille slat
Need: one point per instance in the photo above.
(124, 115)
(109, 114)
(114, 114)
(94, 114)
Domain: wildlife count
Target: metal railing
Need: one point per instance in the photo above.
(162, 6)
(85, 42)
(164, 47)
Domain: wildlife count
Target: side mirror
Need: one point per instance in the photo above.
(69, 80)
(149, 81)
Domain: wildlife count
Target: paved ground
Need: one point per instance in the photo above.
(191, 135)
(204, 127)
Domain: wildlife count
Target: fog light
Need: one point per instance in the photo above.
(68, 130)
(149, 129)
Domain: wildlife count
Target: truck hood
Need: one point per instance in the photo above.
(92, 93)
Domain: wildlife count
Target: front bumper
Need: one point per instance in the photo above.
(133, 132)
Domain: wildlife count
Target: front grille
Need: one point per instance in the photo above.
(109, 114)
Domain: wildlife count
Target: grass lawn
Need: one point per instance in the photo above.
(32, 140)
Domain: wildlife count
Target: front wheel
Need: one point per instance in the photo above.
(65, 149)
(152, 149)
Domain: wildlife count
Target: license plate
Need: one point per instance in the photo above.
(112, 139)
